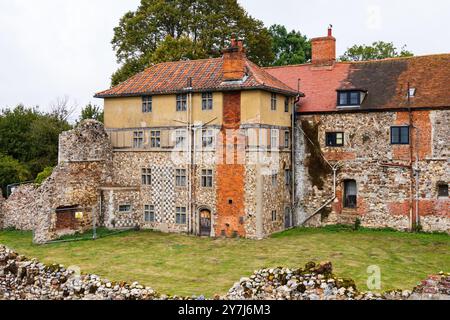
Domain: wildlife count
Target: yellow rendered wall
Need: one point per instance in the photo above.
(256, 109)
(127, 112)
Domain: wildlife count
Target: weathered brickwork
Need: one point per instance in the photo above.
(386, 184)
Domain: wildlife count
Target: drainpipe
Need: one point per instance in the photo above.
(411, 186)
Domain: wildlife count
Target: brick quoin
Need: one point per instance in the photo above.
(420, 141)
(230, 176)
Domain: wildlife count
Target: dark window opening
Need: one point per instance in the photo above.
(207, 101)
(349, 98)
(147, 104)
(146, 176)
(286, 105)
(180, 215)
(207, 178)
(334, 139)
(125, 208)
(443, 191)
(350, 194)
(274, 215)
(181, 102)
(273, 102)
(400, 135)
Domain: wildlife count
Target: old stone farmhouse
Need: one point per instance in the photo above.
(223, 147)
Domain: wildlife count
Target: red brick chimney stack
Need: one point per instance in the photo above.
(234, 61)
(324, 49)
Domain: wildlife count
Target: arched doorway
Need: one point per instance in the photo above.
(205, 222)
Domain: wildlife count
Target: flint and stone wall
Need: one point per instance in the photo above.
(381, 170)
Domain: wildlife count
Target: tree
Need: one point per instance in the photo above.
(185, 29)
(91, 112)
(11, 171)
(378, 50)
(31, 137)
(289, 47)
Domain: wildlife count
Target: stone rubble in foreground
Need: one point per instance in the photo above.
(24, 279)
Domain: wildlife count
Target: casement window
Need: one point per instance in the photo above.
(207, 101)
(180, 138)
(273, 102)
(350, 194)
(147, 104)
(286, 104)
(287, 139)
(287, 177)
(274, 138)
(146, 176)
(349, 98)
(180, 177)
(207, 178)
(124, 208)
(274, 179)
(274, 215)
(181, 102)
(400, 135)
(138, 139)
(334, 139)
(208, 138)
(180, 215)
(149, 213)
(155, 138)
(443, 190)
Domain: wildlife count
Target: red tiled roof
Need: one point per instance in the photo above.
(386, 82)
(206, 74)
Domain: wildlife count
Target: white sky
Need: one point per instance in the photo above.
(55, 48)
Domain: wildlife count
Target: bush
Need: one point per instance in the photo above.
(11, 171)
(41, 177)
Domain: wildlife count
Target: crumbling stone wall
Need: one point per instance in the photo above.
(85, 159)
(382, 171)
(19, 209)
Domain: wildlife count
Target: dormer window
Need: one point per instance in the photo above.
(350, 98)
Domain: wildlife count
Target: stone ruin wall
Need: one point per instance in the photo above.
(84, 163)
(383, 191)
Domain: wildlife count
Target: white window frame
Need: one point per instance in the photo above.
(207, 101)
(138, 139)
(208, 138)
(180, 178)
(273, 102)
(274, 138)
(155, 139)
(147, 104)
(149, 212)
(207, 179)
(180, 212)
(180, 138)
(146, 176)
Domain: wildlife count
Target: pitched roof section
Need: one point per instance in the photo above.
(206, 74)
(386, 82)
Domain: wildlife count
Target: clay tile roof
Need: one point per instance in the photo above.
(206, 74)
(386, 82)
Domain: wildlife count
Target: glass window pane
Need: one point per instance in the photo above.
(354, 98)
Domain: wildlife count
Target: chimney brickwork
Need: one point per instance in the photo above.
(234, 61)
(324, 49)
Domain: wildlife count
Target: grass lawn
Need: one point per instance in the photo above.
(186, 265)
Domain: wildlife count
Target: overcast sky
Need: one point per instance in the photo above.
(55, 48)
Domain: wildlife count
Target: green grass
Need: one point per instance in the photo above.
(186, 265)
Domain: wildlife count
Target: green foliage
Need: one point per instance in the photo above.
(185, 29)
(11, 171)
(29, 141)
(357, 225)
(289, 47)
(378, 50)
(92, 112)
(43, 175)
